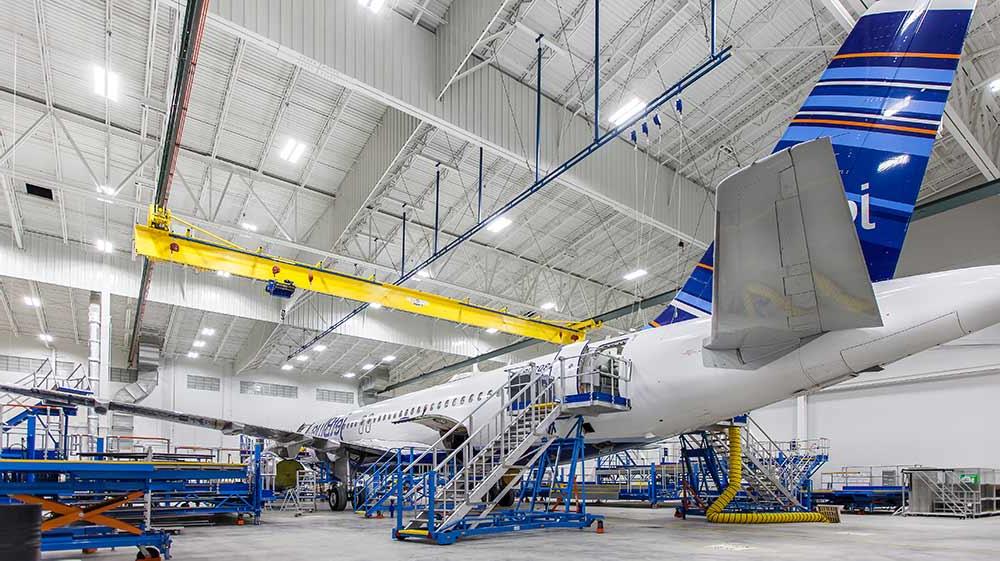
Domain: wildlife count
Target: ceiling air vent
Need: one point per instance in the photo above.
(43, 192)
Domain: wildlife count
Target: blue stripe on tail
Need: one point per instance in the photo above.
(881, 101)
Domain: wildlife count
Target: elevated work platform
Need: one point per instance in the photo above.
(525, 431)
(775, 477)
(121, 502)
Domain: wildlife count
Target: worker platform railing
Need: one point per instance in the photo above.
(374, 488)
(31, 429)
(777, 476)
(954, 492)
(525, 426)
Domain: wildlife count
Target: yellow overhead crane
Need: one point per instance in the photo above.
(156, 241)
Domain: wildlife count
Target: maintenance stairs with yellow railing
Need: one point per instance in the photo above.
(530, 425)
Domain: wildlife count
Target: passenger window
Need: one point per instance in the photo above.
(463, 400)
(480, 396)
(454, 402)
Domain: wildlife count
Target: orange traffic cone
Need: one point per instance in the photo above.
(600, 526)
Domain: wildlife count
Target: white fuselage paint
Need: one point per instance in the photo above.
(673, 392)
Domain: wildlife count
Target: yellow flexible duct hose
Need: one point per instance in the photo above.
(714, 512)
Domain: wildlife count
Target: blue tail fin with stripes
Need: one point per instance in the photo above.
(881, 102)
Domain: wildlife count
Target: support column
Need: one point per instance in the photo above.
(802, 417)
(93, 361)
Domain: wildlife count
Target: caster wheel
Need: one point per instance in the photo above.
(147, 552)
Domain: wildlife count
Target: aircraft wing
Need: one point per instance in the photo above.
(788, 264)
(284, 438)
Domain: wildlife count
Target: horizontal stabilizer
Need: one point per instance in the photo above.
(788, 264)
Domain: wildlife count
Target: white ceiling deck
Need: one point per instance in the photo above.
(564, 246)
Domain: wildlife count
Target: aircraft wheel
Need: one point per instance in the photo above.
(337, 498)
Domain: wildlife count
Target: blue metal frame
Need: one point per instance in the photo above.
(214, 488)
(528, 513)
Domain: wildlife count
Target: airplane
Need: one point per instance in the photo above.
(797, 292)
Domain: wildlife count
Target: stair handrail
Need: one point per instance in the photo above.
(491, 394)
(501, 421)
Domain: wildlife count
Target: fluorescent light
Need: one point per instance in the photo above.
(106, 189)
(388, 358)
(635, 274)
(368, 367)
(45, 337)
(492, 330)
(424, 273)
(995, 86)
(292, 151)
(193, 354)
(302, 358)
(208, 331)
(104, 246)
(32, 301)
(548, 306)
(198, 344)
(106, 83)
(319, 348)
(223, 274)
(349, 374)
(627, 111)
(248, 226)
(498, 224)
(373, 5)
(287, 367)
(375, 306)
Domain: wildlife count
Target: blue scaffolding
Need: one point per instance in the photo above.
(533, 508)
(106, 504)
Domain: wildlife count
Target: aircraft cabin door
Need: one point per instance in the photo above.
(566, 365)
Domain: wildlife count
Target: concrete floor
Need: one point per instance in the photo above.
(631, 533)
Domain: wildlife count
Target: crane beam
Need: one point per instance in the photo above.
(155, 241)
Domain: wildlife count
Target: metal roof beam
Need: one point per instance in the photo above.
(488, 108)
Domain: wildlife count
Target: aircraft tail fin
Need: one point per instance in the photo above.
(881, 101)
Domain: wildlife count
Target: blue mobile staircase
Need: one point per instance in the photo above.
(777, 476)
(526, 432)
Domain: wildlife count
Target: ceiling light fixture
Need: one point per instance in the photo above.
(32, 301)
(193, 354)
(424, 273)
(45, 337)
(302, 358)
(106, 83)
(223, 274)
(368, 367)
(995, 86)
(635, 274)
(375, 306)
(498, 224)
(248, 226)
(349, 374)
(104, 246)
(373, 5)
(319, 348)
(287, 367)
(548, 306)
(492, 330)
(627, 111)
(388, 358)
(106, 189)
(208, 331)
(292, 151)
(198, 344)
